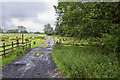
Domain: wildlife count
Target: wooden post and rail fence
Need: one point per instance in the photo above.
(18, 45)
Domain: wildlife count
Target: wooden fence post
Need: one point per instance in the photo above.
(22, 38)
(4, 48)
(17, 43)
(12, 46)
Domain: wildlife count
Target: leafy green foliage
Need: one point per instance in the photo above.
(110, 41)
(48, 29)
(37, 33)
(90, 20)
(21, 28)
(24, 31)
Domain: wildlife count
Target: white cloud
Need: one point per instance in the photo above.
(50, 15)
(36, 22)
(29, 24)
(29, 0)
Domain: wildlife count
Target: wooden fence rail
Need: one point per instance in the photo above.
(24, 44)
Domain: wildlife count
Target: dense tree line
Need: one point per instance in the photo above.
(16, 31)
(12, 31)
(98, 21)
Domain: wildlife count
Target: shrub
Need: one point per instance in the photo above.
(110, 41)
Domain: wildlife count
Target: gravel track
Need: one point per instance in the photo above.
(31, 66)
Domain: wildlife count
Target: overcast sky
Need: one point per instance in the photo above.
(32, 15)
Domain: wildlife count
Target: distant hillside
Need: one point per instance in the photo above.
(12, 31)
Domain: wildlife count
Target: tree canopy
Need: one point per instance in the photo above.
(94, 20)
(21, 29)
(37, 32)
(24, 31)
(48, 29)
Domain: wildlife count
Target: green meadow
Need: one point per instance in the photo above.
(80, 59)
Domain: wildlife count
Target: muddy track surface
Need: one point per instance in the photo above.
(31, 66)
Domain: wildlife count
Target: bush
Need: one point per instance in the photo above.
(110, 41)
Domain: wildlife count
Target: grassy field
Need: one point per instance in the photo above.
(9, 38)
(12, 37)
(11, 56)
(80, 59)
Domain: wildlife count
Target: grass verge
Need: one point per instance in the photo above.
(11, 56)
(85, 61)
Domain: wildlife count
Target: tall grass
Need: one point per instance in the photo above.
(85, 62)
